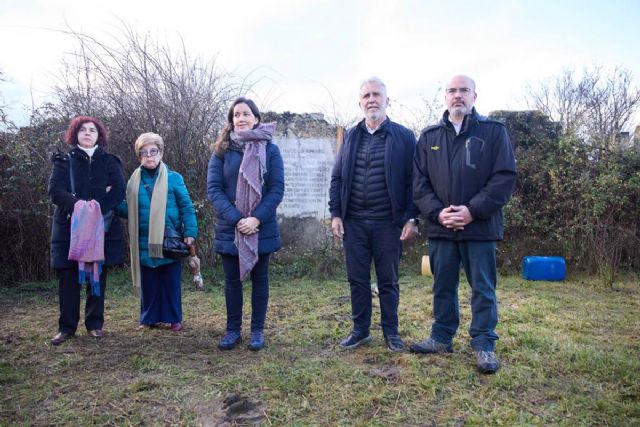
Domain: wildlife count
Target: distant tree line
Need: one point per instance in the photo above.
(577, 195)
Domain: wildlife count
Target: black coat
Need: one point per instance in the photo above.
(476, 168)
(91, 176)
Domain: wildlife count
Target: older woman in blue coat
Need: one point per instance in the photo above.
(245, 184)
(157, 199)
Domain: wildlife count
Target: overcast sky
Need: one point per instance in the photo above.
(305, 52)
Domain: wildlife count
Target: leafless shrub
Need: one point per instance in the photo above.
(608, 243)
(417, 119)
(138, 85)
(6, 125)
(24, 206)
(596, 107)
(337, 115)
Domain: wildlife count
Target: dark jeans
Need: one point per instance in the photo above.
(364, 241)
(233, 292)
(479, 262)
(69, 298)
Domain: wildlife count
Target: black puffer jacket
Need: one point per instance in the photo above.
(399, 148)
(369, 195)
(476, 168)
(91, 176)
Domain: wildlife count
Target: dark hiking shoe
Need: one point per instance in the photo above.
(353, 341)
(394, 343)
(430, 346)
(487, 362)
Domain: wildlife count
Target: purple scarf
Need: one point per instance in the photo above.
(249, 190)
(87, 242)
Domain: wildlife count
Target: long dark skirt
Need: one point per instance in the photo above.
(161, 294)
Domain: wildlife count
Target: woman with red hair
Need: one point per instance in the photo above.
(86, 173)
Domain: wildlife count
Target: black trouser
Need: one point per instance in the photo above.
(69, 296)
(378, 241)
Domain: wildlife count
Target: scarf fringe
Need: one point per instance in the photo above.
(90, 272)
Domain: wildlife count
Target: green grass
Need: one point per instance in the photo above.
(569, 351)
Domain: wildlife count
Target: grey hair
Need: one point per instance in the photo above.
(148, 138)
(376, 80)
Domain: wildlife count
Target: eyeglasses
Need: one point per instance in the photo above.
(151, 153)
(462, 90)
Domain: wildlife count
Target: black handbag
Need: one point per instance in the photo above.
(173, 245)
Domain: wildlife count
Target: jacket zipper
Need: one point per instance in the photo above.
(367, 160)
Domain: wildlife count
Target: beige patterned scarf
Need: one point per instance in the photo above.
(156, 219)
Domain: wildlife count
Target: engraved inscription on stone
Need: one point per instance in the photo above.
(307, 170)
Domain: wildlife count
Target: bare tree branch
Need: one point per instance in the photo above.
(596, 107)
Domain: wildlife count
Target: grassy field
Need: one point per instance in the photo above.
(569, 351)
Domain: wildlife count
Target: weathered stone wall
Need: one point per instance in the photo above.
(307, 143)
(308, 125)
(308, 146)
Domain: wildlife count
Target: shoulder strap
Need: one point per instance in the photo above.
(73, 186)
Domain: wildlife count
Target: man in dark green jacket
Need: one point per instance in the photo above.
(464, 173)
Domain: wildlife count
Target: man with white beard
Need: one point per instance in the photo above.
(372, 211)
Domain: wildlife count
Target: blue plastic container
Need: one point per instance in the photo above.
(550, 268)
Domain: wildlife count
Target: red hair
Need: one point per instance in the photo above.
(71, 136)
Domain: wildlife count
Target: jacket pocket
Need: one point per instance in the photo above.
(474, 148)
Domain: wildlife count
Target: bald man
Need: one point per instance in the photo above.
(464, 173)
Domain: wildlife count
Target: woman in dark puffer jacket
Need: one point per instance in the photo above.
(245, 184)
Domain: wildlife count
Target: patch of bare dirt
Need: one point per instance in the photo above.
(388, 373)
(232, 410)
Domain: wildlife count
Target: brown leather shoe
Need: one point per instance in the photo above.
(60, 338)
(97, 333)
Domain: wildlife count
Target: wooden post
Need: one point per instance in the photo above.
(340, 137)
